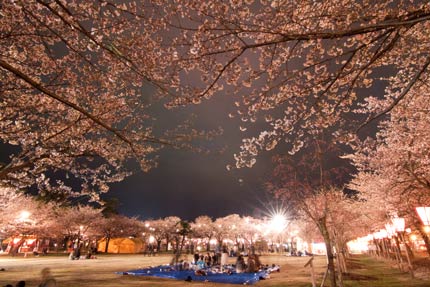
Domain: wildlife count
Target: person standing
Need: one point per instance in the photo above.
(224, 257)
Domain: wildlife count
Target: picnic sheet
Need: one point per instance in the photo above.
(189, 275)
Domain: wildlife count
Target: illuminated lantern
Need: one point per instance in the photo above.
(424, 214)
(399, 224)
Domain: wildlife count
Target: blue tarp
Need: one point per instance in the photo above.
(189, 275)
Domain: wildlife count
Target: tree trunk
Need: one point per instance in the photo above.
(15, 247)
(107, 244)
(330, 257)
(178, 251)
(167, 242)
(341, 259)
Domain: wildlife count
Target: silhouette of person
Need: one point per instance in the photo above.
(47, 279)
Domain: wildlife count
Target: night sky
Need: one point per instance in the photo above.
(188, 184)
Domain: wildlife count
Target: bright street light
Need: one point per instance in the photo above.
(278, 222)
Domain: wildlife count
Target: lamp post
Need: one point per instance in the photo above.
(399, 225)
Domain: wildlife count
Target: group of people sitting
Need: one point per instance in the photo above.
(75, 254)
(253, 264)
(201, 263)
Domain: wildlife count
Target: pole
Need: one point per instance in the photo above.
(398, 252)
(411, 270)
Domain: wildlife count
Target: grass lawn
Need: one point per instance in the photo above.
(101, 272)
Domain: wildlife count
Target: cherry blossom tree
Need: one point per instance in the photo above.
(163, 229)
(203, 227)
(339, 218)
(394, 166)
(250, 231)
(74, 223)
(306, 182)
(118, 226)
(183, 228)
(77, 80)
(22, 217)
(300, 66)
(155, 229)
(221, 228)
(8, 196)
(77, 76)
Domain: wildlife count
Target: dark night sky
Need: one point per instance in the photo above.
(188, 184)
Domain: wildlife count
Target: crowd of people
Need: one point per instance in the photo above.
(218, 262)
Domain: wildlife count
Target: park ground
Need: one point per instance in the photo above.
(363, 271)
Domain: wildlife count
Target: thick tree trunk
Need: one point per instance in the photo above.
(331, 273)
(15, 247)
(341, 259)
(107, 244)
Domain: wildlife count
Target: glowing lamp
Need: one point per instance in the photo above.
(391, 230)
(399, 224)
(30, 241)
(278, 222)
(24, 215)
(424, 214)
